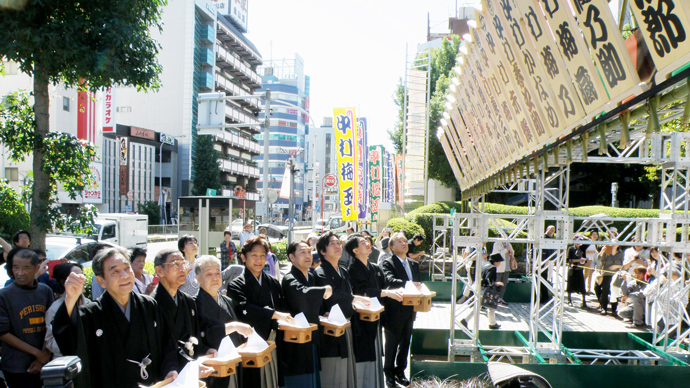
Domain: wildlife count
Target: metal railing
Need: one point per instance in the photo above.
(164, 229)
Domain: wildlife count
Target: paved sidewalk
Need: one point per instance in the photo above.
(515, 316)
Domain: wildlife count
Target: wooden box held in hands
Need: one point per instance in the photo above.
(332, 329)
(256, 360)
(222, 368)
(369, 315)
(411, 299)
(298, 335)
(424, 303)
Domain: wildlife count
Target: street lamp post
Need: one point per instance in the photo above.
(161, 213)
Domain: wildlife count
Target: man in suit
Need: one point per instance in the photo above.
(398, 319)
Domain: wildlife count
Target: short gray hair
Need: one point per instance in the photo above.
(395, 237)
(203, 260)
(105, 253)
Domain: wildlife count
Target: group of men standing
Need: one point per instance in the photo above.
(125, 338)
(355, 358)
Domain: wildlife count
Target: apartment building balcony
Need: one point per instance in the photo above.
(239, 142)
(231, 88)
(228, 37)
(237, 168)
(237, 116)
(237, 68)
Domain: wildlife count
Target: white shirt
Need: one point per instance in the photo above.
(244, 236)
(139, 286)
(502, 248)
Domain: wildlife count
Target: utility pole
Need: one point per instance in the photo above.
(291, 208)
(267, 128)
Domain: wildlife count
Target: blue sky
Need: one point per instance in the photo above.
(354, 51)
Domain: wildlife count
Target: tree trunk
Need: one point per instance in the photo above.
(40, 196)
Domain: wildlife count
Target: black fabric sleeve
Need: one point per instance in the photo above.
(388, 269)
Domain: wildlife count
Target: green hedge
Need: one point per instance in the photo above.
(280, 249)
(411, 228)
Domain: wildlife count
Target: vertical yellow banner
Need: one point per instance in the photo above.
(344, 121)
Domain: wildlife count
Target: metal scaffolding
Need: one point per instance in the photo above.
(546, 260)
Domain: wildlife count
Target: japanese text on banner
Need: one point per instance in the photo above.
(344, 122)
(361, 180)
(375, 172)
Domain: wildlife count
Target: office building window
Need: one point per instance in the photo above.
(12, 174)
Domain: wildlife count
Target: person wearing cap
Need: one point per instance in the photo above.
(386, 232)
(385, 249)
(311, 240)
(613, 233)
(246, 234)
(489, 281)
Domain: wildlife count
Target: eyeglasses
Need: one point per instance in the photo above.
(177, 264)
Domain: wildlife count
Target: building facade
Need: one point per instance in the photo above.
(289, 126)
(321, 160)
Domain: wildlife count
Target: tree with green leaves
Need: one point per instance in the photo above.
(205, 166)
(442, 63)
(13, 216)
(90, 45)
(151, 209)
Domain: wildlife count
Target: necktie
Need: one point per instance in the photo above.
(407, 270)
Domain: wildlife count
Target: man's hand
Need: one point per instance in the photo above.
(150, 288)
(43, 268)
(393, 294)
(212, 352)
(363, 300)
(43, 357)
(171, 375)
(328, 293)
(35, 367)
(238, 327)
(74, 287)
(624, 299)
(278, 316)
(205, 371)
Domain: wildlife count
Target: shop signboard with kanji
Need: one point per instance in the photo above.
(344, 122)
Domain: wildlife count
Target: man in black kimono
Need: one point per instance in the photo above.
(337, 354)
(301, 361)
(398, 319)
(368, 280)
(121, 337)
(178, 308)
(259, 302)
(217, 314)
